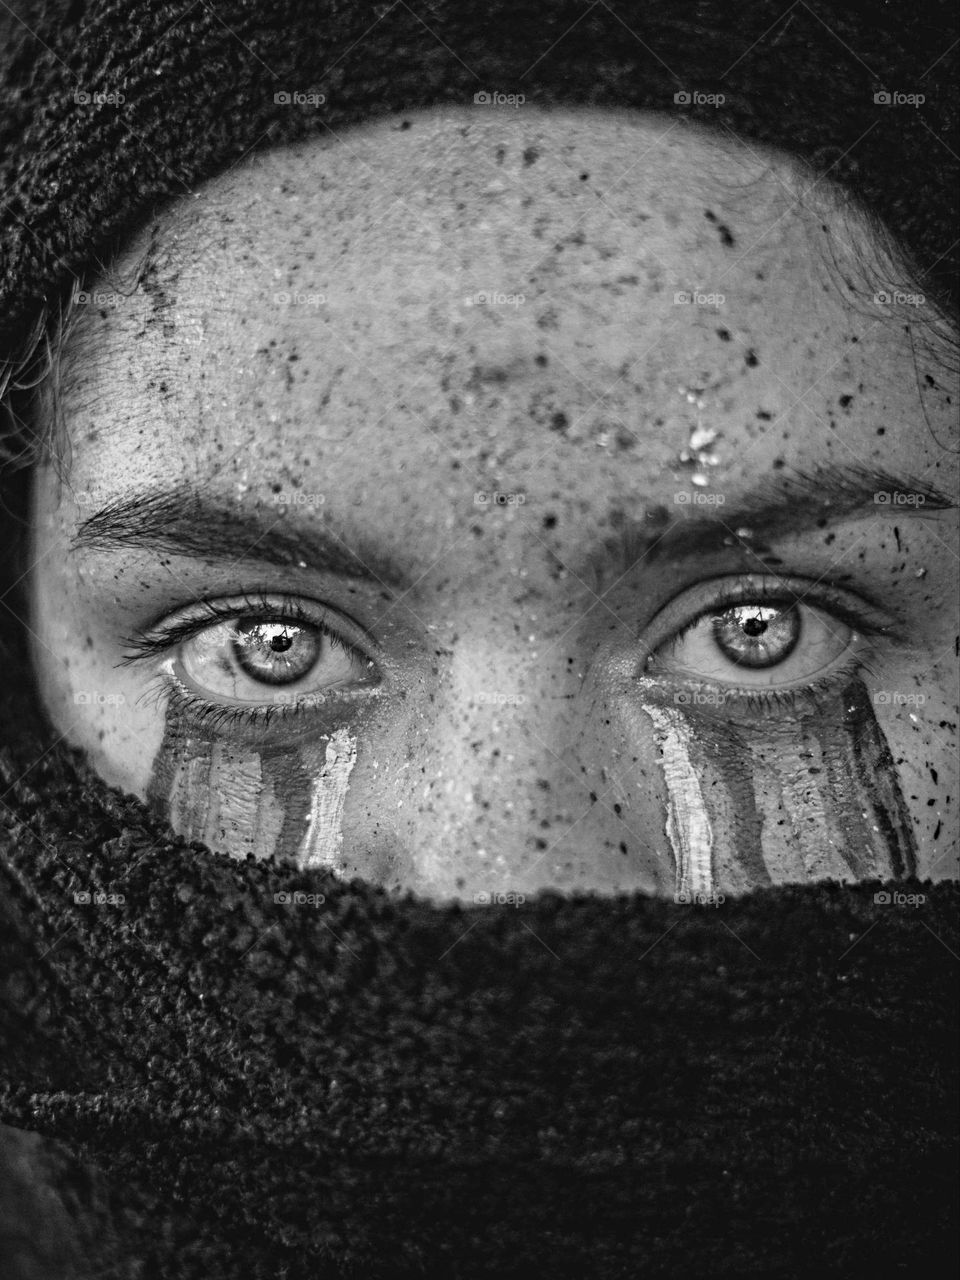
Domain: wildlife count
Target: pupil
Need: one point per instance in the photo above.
(272, 653)
(759, 636)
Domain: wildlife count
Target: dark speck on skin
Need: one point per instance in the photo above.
(844, 401)
(750, 359)
(723, 335)
(540, 360)
(530, 156)
(550, 521)
(723, 231)
(584, 177)
(764, 416)
(559, 421)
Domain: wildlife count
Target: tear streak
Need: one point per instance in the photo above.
(688, 825)
(322, 844)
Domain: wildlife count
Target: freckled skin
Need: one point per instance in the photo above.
(320, 342)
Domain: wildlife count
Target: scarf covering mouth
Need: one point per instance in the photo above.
(358, 1085)
(199, 1080)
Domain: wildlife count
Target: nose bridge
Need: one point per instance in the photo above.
(501, 780)
(508, 713)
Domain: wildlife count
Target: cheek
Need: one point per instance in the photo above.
(830, 797)
(284, 801)
(745, 807)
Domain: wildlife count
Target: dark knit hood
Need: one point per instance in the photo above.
(203, 1074)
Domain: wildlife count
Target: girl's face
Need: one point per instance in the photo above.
(493, 499)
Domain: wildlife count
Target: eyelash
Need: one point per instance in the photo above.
(149, 644)
(764, 700)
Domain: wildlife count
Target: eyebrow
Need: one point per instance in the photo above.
(184, 522)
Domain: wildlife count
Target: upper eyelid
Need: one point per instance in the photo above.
(850, 608)
(155, 638)
(854, 609)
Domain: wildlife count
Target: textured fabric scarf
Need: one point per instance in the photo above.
(341, 1084)
(217, 1069)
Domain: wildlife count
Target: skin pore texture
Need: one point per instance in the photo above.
(473, 417)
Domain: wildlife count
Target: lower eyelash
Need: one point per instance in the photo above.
(758, 701)
(200, 711)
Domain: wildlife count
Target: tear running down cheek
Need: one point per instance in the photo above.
(284, 801)
(743, 802)
(820, 801)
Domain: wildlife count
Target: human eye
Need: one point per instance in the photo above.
(774, 767)
(759, 643)
(249, 660)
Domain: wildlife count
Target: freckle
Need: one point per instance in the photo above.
(559, 421)
(723, 335)
(845, 401)
(750, 359)
(550, 521)
(764, 416)
(584, 177)
(530, 156)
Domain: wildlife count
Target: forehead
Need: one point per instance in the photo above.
(410, 266)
